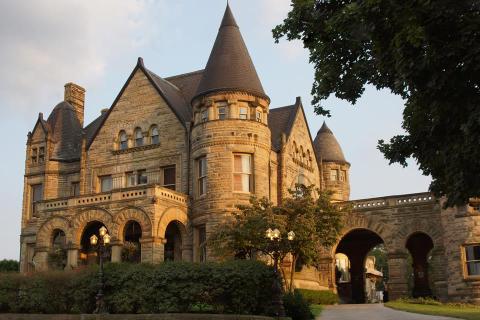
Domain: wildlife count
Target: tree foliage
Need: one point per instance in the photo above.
(308, 212)
(428, 52)
(9, 265)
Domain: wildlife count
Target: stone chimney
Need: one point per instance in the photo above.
(75, 95)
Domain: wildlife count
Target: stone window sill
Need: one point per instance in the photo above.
(134, 149)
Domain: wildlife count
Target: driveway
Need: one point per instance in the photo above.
(371, 312)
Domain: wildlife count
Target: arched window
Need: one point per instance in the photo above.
(138, 137)
(302, 155)
(123, 142)
(154, 135)
(58, 239)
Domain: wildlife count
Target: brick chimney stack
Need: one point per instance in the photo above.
(75, 95)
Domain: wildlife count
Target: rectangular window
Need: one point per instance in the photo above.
(142, 177)
(169, 177)
(37, 195)
(472, 259)
(334, 174)
(242, 172)
(259, 116)
(131, 179)
(202, 176)
(41, 155)
(106, 183)
(202, 243)
(243, 114)
(75, 189)
(222, 113)
(204, 115)
(34, 155)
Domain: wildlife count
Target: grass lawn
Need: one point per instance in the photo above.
(316, 309)
(448, 310)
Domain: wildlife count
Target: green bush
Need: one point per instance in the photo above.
(240, 287)
(296, 306)
(319, 297)
(9, 265)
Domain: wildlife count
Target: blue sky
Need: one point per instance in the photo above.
(46, 44)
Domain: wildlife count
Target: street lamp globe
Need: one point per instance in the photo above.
(93, 240)
(106, 239)
(269, 234)
(291, 235)
(102, 231)
(276, 234)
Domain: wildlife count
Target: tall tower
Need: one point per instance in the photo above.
(230, 138)
(334, 169)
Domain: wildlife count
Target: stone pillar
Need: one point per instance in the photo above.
(397, 285)
(439, 274)
(41, 259)
(187, 253)
(117, 247)
(72, 257)
(326, 270)
(152, 249)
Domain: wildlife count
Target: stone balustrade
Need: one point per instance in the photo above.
(393, 201)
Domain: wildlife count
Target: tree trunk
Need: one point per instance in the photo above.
(292, 271)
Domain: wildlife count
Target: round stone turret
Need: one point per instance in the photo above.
(334, 169)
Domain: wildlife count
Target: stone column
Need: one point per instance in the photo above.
(397, 285)
(117, 247)
(72, 257)
(152, 249)
(40, 259)
(326, 269)
(439, 274)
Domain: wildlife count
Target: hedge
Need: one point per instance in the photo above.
(319, 297)
(236, 287)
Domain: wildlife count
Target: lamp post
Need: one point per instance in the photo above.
(274, 236)
(100, 244)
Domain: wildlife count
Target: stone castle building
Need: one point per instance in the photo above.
(172, 156)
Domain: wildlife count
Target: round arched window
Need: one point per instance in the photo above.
(123, 144)
(155, 136)
(138, 137)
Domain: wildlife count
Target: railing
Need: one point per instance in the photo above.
(152, 190)
(393, 201)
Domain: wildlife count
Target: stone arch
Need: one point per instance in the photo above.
(45, 232)
(136, 214)
(169, 215)
(418, 226)
(82, 218)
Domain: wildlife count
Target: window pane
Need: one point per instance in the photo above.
(37, 192)
(221, 113)
(204, 115)
(106, 183)
(131, 179)
(169, 177)
(243, 113)
(75, 188)
(141, 177)
(138, 138)
(473, 252)
(333, 175)
(473, 268)
(241, 182)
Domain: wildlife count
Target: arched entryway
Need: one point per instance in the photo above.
(173, 244)
(132, 250)
(420, 245)
(88, 254)
(57, 257)
(355, 245)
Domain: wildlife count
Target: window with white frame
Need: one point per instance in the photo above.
(333, 174)
(138, 137)
(472, 259)
(106, 183)
(123, 142)
(242, 172)
(131, 179)
(155, 135)
(222, 112)
(204, 115)
(142, 177)
(243, 113)
(202, 176)
(259, 116)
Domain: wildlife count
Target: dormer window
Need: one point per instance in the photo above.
(155, 136)
(34, 155)
(138, 137)
(41, 155)
(123, 140)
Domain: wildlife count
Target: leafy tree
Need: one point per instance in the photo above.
(428, 52)
(9, 265)
(314, 219)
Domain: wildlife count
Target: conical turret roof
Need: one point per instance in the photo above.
(66, 132)
(327, 147)
(229, 66)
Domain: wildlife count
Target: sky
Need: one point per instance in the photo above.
(95, 44)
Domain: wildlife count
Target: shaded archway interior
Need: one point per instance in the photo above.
(88, 253)
(419, 245)
(132, 234)
(173, 245)
(355, 245)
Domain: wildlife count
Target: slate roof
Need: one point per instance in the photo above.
(327, 147)
(280, 120)
(66, 132)
(187, 83)
(229, 66)
(92, 127)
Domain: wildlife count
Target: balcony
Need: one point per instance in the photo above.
(393, 201)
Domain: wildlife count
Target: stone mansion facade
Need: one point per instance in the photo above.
(172, 156)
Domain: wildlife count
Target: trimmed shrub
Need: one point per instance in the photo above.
(296, 306)
(239, 287)
(324, 297)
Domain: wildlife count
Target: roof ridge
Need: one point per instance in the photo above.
(281, 108)
(163, 79)
(182, 75)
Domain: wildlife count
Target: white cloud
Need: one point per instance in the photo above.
(48, 43)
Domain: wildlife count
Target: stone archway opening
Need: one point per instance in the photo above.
(355, 246)
(57, 257)
(173, 244)
(420, 246)
(88, 254)
(132, 250)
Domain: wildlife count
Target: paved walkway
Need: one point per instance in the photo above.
(371, 312)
